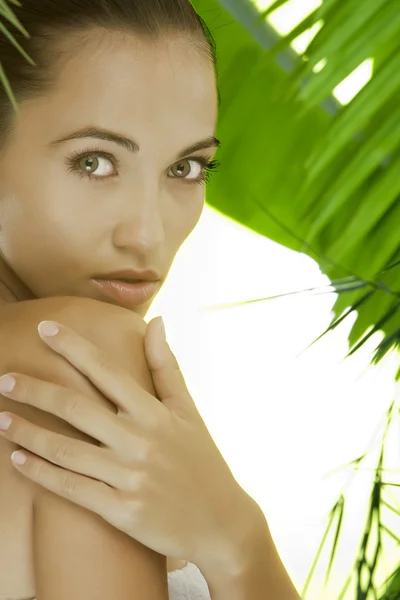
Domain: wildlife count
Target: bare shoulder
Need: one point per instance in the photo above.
(111, 328)
(120, 334)
(115, 330)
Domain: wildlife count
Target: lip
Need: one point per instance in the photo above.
(146, 275)
(128, 294)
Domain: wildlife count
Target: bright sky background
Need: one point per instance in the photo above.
(280, 422)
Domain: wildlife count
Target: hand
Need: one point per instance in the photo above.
(160, 477)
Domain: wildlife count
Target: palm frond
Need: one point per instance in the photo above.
(7, 13)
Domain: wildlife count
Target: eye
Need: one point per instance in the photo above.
(187, 169)
(91, 164)
(94, 164)
(194, 170)
(97, 165)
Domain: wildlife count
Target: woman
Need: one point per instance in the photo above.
(122, 93)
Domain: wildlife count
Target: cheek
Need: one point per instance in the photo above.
(198, 207)
(41, 239)
(36, 226)
(182, 223)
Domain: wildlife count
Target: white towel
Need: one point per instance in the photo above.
(187, 584)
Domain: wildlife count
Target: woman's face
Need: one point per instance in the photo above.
(64, 216)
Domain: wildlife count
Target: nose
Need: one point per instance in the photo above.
(140, 226)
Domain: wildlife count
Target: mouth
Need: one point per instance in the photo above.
(129, 292)
(131, 280)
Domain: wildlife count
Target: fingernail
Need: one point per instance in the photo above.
(7, 383)
(48, 328)
(19, 458)
(5, 421)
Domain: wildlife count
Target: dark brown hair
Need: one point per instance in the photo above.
(57, 28)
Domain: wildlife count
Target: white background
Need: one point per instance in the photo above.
(281, 423)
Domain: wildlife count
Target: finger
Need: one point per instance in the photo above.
(115, 383)
(168, 379)
(69, 405)
(69, 453)
(96, 496)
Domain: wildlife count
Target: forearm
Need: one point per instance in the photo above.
(256, 572)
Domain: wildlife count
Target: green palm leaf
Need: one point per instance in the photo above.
(7, 13)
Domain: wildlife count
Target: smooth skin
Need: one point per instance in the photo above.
(52, 547)
(59, 227)
(168, 486)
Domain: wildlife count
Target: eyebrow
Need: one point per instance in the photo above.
(131, 145)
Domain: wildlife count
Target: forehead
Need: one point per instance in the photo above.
(166, 86)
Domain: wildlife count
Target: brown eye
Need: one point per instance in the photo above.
(91, 163)
(184, 170)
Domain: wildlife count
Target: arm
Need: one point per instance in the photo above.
(77, 554)
(256, 572)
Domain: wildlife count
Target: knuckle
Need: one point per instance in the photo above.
(62, 453)
(67, 337)
(25, 389)
(146, 442)
(104, 361)
(133, 481)
(130, 512)
(150, 452)
(68, 485)
(38, 470)
(70, 404)
(144, 481)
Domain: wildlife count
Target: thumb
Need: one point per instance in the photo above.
(167, 377)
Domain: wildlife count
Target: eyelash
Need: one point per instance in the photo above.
(73, 161)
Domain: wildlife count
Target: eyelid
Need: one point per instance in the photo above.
(95, 151)
(113, 158)
(203, 160)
